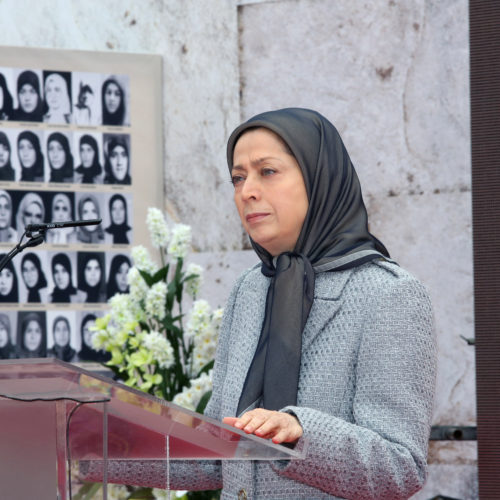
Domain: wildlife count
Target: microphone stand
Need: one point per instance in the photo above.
(36, 235)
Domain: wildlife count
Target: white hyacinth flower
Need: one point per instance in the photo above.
(180, 243)
(160, 348)
(155, 300)
(193, 285)
(158, 228)
(138, 288)
(142, 259)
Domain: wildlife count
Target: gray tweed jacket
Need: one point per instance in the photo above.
(365, 393)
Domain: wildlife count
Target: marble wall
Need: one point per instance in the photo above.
(392, 76)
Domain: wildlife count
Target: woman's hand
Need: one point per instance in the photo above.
(278, 426)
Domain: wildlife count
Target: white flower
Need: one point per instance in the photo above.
(159, 347)
(193, 285)
(122, 310)
(158, 228)
(142, 259)
(155, 300)
(138, 288)
(180, 242)
(191, 396)
(200, 317)
(117, 492)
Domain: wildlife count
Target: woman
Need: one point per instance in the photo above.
(88, 209)
(61, 332)
(6, 348)
(64, 291)
(87, 352)
(31, 336)
(62, 211)
(7, 233)
(117, 161)
(119, 227)
(6, 171)
(82, 113)
(34, 278)
(118, 275)
(327, 341)
(60, 158)
(113, 102)
(9, 291)
(5, 100)
(90, 170)
(57, 98)
(30, 156)
(30, 211)
(30, 107)
(91, 276)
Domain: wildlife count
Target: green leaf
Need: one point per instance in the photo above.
(87, 491)
(147, 278)
(161, 274)
(206, 368)
(203, 402)
(144, 493)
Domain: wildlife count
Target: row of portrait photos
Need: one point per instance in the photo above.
(20, 208)
(64, 156)
(52, 277)
(66, 335)
(64, 97)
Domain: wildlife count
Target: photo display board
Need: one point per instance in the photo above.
(80, 138)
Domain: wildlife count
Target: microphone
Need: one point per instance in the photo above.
(34, 228)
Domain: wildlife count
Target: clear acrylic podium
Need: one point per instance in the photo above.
(54, 414)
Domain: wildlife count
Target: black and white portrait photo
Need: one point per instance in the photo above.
(61, 338)
(88, 158)
(115, 100)
(57, 97)
(30, 156)
(29, 106)
(61, 209)
(6, 101)
(30, 209)
(87, 351)
(9, 287)
(7, 172)
(31, 339)
(59, 157)
(119, 266)
(88, 208)
(33, 285)
(117, 159)
(91, 276)
(86, 99)
(7, 233)
(62, 278)
(7, 334)
(118, 231)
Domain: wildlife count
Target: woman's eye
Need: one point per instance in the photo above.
(268, 171)
(236, 179)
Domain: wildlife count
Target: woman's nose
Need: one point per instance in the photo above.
(251, 188)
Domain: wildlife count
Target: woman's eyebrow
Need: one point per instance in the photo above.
(256, 162)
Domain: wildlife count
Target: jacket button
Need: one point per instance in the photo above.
(242, 494)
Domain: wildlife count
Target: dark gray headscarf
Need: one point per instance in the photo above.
(334, 237)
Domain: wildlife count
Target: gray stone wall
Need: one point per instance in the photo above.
(392, 76)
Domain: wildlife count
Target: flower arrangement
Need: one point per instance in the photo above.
(152, 347)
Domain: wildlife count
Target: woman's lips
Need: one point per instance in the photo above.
(255, 217)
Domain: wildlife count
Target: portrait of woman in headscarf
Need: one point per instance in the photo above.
(62, 276)
(90, 170)
(61, 336)
(31, 335)
(9, 288)
(118, 275)
(327, 341)
(6, 103)
(88, 209)
(6, 348)
(60, 158)
(113, 102)
(82, 113)
(87, 351)
(118, 229)
(7, 233)
(33, 278)
(6, 171)
(29, 98)
(91, 276)
(57, 87)
(61, 210)
(117, 159)
(31, 210)
(30, 157)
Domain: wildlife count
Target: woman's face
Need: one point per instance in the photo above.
(28, 98)
(4, 336)
(61, 211)
(27, 153)
(119, 162)
(57, 155)
(61, 277)
(55, 90)
(87, 154)
(61, 333)
(269, 191)
(32, 214)
(30, 273)
(32, 336)
(118, 212)
(89, 211)
(5, 212)
(121, 277)
(88, 333)
(92, 272)
(6, 281)
(4, 155)
(112, 97)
